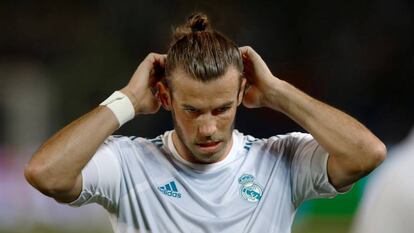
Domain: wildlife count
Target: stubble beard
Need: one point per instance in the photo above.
(203, 158)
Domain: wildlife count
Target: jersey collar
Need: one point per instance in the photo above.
(204, 167)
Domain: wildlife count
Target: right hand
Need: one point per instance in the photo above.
(140, 88)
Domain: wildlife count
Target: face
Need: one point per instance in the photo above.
(203, 114)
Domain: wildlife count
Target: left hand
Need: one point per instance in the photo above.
(259, 79)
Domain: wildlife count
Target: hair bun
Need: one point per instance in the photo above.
(198, 22)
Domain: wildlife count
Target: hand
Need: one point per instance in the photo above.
(141, 89)
(259, 79)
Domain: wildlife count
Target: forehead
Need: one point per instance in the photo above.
(189, 91)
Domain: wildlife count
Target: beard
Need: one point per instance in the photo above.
(203, 157)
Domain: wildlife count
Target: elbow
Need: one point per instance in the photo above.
(376, 155)
(345, 171)
(36, 177)
(31, 174)
(379, 153)
(42, 179)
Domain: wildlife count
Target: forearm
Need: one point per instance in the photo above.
(336, 131)
(352, 144)
(354, 150)
(55, 169)
(59, 161)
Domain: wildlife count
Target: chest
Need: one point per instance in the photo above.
(249, 192)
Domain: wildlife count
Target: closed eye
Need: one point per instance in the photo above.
(222, 110)
(191, 110)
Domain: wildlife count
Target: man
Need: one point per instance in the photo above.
(204, 176)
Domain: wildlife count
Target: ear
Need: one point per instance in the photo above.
(164, 95)
(241, 92)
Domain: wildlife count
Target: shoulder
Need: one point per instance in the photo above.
(283, 142)
(132, 151)
(292, 136)
(120, 144)
(135, 140)
(279, 143)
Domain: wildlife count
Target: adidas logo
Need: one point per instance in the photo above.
(170, 189)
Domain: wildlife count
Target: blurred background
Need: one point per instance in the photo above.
(60, 59)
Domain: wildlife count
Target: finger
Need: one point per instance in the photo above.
(153, 58)
(158, 67)
(162, 59)
(247, 52)
(248, 99)
(244, 50)
(158, 58)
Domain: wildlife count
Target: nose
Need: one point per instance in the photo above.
(208, 127)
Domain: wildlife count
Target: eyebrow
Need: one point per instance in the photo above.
(227, 104)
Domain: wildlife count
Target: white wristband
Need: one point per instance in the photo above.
(121, 106)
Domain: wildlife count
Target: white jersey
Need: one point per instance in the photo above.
(147, 187)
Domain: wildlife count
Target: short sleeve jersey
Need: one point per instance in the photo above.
(146, 186)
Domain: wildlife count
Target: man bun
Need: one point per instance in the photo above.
(197, 22)
(200, 51)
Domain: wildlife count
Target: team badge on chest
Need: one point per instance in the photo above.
(250, 190)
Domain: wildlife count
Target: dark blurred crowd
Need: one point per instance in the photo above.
(355, 55)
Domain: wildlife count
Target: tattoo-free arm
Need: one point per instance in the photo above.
(55, 169)
(354, 150)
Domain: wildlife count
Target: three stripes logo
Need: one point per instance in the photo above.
(170, 189)
(249, 143)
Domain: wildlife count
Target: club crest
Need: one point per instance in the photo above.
(250, 190)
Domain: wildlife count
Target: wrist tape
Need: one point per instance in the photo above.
(121, 106)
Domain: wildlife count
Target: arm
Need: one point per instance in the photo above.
(55, 169)
(354, 150)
